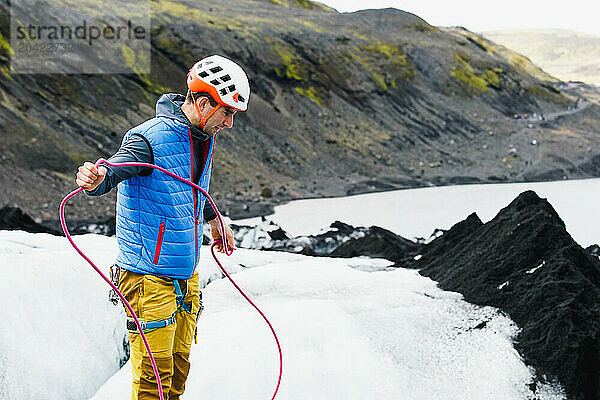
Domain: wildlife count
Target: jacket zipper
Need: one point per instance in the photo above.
(161, 232)
(195, 200)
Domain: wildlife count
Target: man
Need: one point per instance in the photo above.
(159, 219)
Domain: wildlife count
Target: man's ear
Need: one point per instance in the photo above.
(202, 102)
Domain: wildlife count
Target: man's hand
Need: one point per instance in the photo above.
(89, 177)
(215, 231)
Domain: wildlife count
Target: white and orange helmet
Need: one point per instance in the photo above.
(223, 79)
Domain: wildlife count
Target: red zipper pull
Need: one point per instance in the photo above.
(161, 232)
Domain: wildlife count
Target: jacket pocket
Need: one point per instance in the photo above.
(161, 232)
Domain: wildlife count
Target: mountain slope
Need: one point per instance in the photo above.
(342, 103)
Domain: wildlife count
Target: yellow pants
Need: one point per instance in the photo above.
(153, 299)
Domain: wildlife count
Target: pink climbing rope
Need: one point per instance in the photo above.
(225, 248)
(257, 309)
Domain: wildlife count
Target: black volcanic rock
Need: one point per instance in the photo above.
(278, 234)
(12, 218)
(458, 233)
(378, 243)
(525, 263)
(593, 250)
(341, 240)
(342, 227)
(322, 244)
(78, 226)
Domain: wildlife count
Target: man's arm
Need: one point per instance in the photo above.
(215, 232)
(210, 216)
(98, 181)
(208, 212)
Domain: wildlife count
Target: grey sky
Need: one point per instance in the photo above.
(477, 16)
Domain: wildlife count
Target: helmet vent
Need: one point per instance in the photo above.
(223, 79)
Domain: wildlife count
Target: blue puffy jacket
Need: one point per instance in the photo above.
(158, 217)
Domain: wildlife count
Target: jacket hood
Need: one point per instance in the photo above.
(169, 105)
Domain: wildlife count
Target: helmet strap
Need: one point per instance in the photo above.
(203, 119)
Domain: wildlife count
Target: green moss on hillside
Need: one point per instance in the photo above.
(5, 46)
(5, 51)
(464, 73)
(165, 40)
(178, 9)
(387, 64)
(312, 94)
(182, 11)
(551, 95)
(166, 43)
(5, 70)
(424, 27)
(134, 60)
(524, 65)
(310, 25)
(393, 53)
(380, 81)
(474, 83)
(293, 67)
(306, 4)
(480, 43)
(298, 3)
(469, 79)
(492, 78)
(247, 24)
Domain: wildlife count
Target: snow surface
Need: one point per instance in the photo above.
(345, 334)
(416, 213)
(59, 338)
(349, 328)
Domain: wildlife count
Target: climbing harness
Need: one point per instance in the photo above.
(141, 326)
(181, 306)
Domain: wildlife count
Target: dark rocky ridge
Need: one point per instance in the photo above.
(12, 218)
(379, 243)
(342, 103)
(340, 240)
(525, 263)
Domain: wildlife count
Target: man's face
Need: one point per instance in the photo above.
(222, 118)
